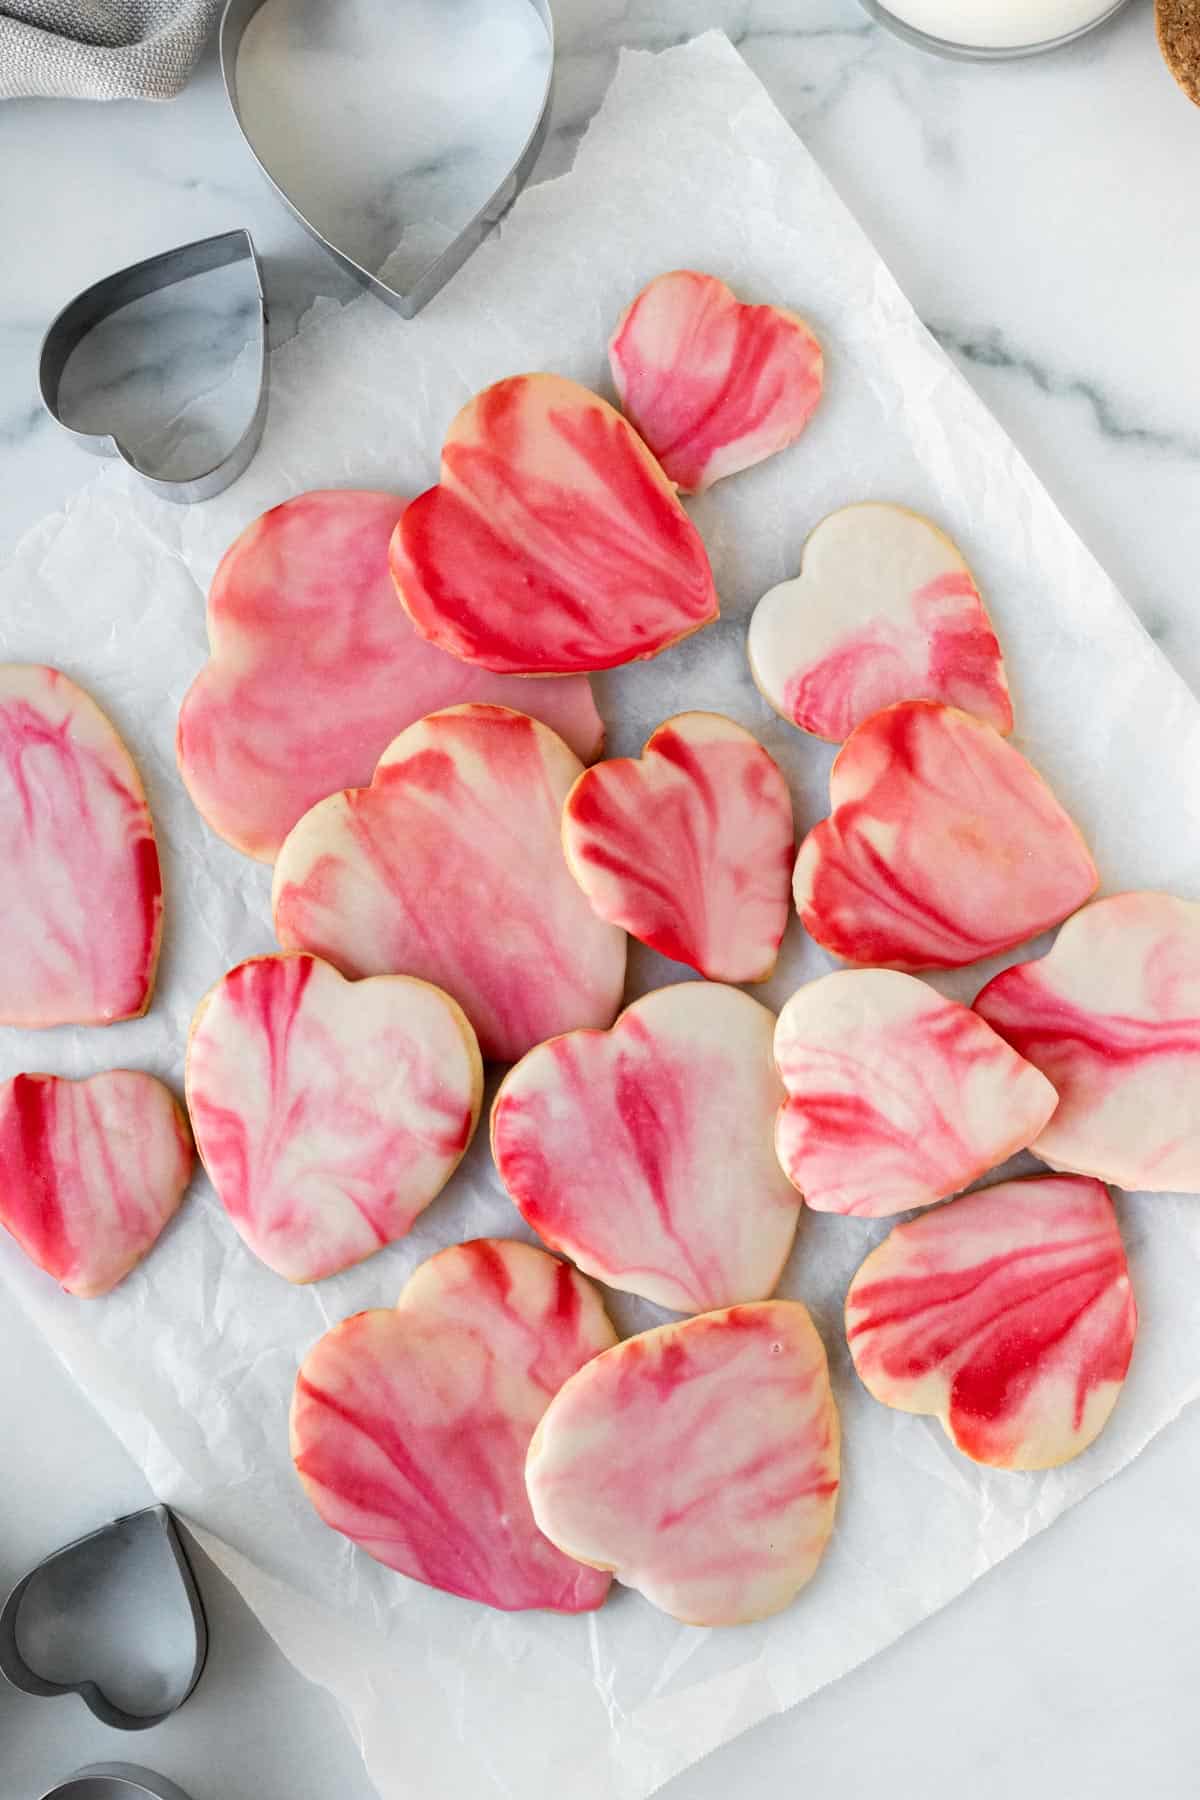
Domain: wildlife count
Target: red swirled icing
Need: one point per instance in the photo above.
(896, 1097)
(645, 1152)
(1008, 1315)
(316, 667)
(90, 1172)
(1112, 1015)
(884, 609)
(410, 1427)
(82, 888)
(712, 384)
(943, 845)
(699, 1462)
(553, 543)
(328, 1113)
(690, 847)
(450, 867)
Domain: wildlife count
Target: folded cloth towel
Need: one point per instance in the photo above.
(100, 49)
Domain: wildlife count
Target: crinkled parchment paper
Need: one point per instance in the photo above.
(192, 1360)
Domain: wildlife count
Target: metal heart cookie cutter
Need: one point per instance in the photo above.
(409, 300)
(62, 1585)
(108, 296)
(116, 1781)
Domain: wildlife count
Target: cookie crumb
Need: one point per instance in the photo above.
(1177, 23)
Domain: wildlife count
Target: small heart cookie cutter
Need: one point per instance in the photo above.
(109, 295)
(408, 301)
(111, 1543)
(115, 1781)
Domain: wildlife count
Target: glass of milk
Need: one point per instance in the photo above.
(991, 28)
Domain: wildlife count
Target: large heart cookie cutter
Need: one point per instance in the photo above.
(89, 1558)
(115, 1781)
(111, 293)
(408, 301)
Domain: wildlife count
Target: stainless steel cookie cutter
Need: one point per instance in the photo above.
(408, 302)
(115, 1781)
(68, 1571)
(111, 293)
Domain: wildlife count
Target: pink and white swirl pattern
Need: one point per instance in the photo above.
(1112, 1015)
(1008, 1315)
(884, 609)
(410, 1427)
(316, 667)
(943, 845)
(699, 1462)
(90, 1172)
(645, 1152)
(82, 888)
(328, 1113)
(450, 867)
(896, 1097)
(689, 848)
(553, 543)
(712, 384)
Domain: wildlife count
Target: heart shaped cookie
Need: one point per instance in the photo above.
(328, 1113)
(90, 1172)
(409, 1428)
(884, 609)
(943, 845)
(553, 543)
(698, 1462)
(450, 867)
(315, 667)
(896, 1097)
(82, 892)
(713, 385)
(645, 1152)
(1112, 1015)
(690, 848)
(1008, 1315)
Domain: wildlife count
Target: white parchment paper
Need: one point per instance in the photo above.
(192, 1360)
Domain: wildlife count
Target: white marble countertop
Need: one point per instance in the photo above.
(1042, 218)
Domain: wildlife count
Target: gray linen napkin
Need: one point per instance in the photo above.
(100, 49)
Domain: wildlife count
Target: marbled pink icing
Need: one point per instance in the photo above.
(1008, 1315)
(645, 1152)
(713, 385)
(328, 1113)
(1112, 1015)
(884, 609)
(315, 667)
(699, 1462)
(409, 1428)
(553, 543)
(943, 845)
(689, 848)
(90, 1172)
(450, 867)
(896, 1097)
(82, 889)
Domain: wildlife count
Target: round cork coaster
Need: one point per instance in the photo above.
(1178, 25)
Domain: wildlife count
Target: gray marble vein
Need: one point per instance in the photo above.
(1114, 418)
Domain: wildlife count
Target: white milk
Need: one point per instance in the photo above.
(998, 24)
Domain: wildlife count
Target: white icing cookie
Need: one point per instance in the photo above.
(689, 847)
(645, 1154)
(884, 609)
(450, 867)
(896, 1097)
(698, 1462)
(328, 1113)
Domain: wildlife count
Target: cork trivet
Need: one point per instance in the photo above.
(1178, 25)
